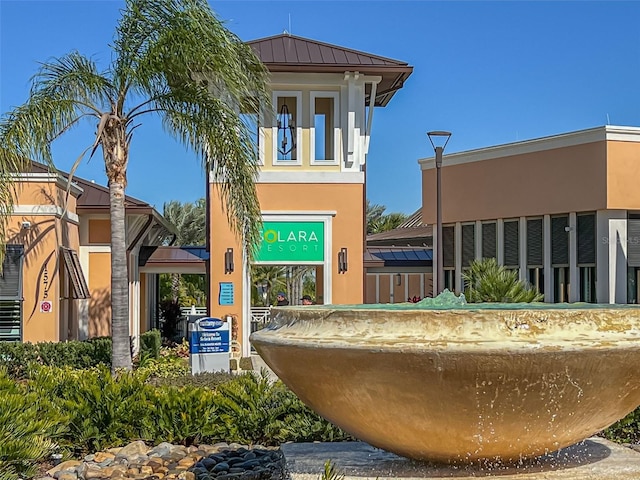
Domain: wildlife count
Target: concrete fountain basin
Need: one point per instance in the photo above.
(474, 382)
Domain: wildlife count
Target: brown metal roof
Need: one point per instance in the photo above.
(94, 195)
(410, 233)
(169, 257)
(289, 53)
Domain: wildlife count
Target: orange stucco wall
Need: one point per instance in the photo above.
(545, 182)
(347, 227)
(43, 264)
(623, 171)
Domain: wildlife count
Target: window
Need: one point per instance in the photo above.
(560, 258)
(535, 241)
(586, 226)
(468, 244)
(287, 128)
(449, 256)
(489, 246)
(511, 242)
(324, 127)
(250, 117)
(11, 294)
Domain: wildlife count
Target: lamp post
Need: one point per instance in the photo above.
(439, 140)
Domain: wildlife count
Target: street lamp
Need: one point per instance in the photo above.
(439, 140)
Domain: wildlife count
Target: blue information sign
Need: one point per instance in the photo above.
(225, 296)
(212, 336)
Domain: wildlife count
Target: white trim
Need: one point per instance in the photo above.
(599, 134)
(197, 270)
(457, 242)
(292, 213)
(500, 241)
(246, 306)
(274, 127)
(546, 259)
(59, 180)
(336, 127)
(310, 177)
(522, 249)
(478, 239)
(284, 80)
(54, 210)
(98, 248)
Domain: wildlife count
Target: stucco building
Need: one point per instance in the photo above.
(563, 210)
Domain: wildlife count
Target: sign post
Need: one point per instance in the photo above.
(208, 344)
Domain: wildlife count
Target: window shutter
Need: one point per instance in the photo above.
(449, 247)
(559, 241)
(633, 242)
(11, 276)
(586, 239)
(11, 294)
(534, 242)
(468, 244)
(489, 248)
(511, 243)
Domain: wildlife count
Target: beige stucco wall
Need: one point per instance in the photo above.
(560, 180)
(100, 288)
(623, 172)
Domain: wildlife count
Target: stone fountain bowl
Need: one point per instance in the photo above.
(496, 382)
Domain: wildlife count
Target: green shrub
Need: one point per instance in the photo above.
(486, 281)
(29, 427)
(104, 411)
(186, 415)
(150, 343)
(17, 356)
(625, 430)
(256, 410)
(202, 380)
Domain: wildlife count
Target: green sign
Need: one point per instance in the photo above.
(291, 242)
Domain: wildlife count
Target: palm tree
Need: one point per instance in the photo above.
(171, 58)
(378, 221)
(486, 281)
(189, 220)
(270, 278)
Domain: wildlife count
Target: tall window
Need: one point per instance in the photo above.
(11, 294)
(449, 257)
(324, 126)
(489, 244)
(287, 128)
(511, 243)
(586, 225)
(535, 241)
(251, 120)
(560, 257)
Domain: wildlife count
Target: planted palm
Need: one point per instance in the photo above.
(486, 281)
(171, 58)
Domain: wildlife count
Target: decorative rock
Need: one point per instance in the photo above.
(221, 445)
(89, 458)
(68, 465)
(114, 450)
(161, 450)
(134, 449)
(187, 476)
(94, 472)
(67, 476)
(102, 456)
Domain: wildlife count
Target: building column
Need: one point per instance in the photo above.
(574, 272)
(457, 242)
(134, 299)
(546, 259)
(500, 241)
(522, 248)
(434, 262)
(611, 256)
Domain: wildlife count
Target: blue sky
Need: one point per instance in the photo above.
(490, 72)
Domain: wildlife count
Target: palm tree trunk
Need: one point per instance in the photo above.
(116, 154)
(175, 286)
(121, 356)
